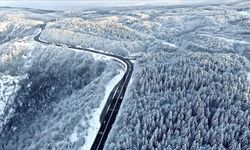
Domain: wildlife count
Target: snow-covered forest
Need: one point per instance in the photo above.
(186, 101)
(197, 97)
(16, 25)
(54, 80)
(55, 99)
(47, 92)
(190, 87)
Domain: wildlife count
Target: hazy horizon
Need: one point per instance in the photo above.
(86, 4)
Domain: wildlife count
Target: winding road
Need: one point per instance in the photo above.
(115, 98)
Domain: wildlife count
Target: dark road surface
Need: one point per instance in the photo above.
(115, 98)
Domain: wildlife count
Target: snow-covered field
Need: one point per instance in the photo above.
(248, 77)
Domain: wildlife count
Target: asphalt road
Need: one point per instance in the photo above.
(116, 96)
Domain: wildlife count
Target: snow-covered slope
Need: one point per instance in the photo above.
(16, 26)
(189, 89)
(9, 85)
(57, 78)
(94, 121)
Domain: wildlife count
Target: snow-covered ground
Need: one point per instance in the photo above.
(8, 87)
(245, 13)
(170, 44)
(94, 121)
(248, 77)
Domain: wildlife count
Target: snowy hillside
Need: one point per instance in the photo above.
(186, 101)
(16, 25)
(38, 83)
(8, 88)
(208, 29)
(55, 79)
(190, 87)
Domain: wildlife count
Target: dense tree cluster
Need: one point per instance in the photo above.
(57, 97)
(207, 29)
(85, 40)
(9, 85)
(11, 29)
(106, 27)
(186, 101)
(13, 56)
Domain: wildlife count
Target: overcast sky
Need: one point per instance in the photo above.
(87, 4)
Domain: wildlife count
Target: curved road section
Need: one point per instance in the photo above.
(115, 98)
